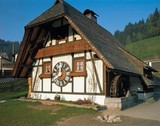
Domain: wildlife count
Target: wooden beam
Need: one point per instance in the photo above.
(24, 43)
(71, 47)
(104, 79)
(108, 83)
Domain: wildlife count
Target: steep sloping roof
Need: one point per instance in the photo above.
(54, 12)
(102, 42)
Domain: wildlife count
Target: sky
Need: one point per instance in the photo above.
(113, 14)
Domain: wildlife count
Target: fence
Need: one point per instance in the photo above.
(12, 84)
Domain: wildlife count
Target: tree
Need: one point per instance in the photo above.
(140, 30)
(9, 47)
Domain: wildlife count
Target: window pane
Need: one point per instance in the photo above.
(80, 66)
(46, 68)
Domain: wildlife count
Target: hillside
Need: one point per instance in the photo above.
(142, 29)
(146, 49)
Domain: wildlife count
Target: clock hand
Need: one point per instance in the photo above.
(59, 74)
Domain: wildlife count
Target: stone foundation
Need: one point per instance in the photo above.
(120, 103)
(144, 96)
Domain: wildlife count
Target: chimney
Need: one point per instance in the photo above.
(91, 14)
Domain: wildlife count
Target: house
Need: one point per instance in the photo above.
(6, 65)
(155, 63)
(66, 52)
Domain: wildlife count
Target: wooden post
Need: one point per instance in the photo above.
(108, 84)
(29, 86)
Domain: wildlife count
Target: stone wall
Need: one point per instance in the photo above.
(120, 103)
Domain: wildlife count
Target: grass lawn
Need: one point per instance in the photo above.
(12, 95)
(26, 113)
(23, 91)
(146, 49)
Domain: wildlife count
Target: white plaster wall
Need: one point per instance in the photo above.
(78, 55)
(38, 81)
(66, 58)
(46, 84)
(55, 88)
(77, 37)
(88, 55)
(99, 99)
(135, 84)
(99, 67)
(49, 43)
(78, 84)
(46, 59)
(62, 42)
(53, 42)
(91, 77)
(37, 62)
(67, 88)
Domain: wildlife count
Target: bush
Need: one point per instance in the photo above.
(85, 101)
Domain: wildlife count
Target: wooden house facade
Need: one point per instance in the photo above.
(66, 52)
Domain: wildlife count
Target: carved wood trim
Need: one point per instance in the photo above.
(78, 74)
(45, 76)
(77, 46)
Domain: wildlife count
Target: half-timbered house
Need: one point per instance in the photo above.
(67, 52)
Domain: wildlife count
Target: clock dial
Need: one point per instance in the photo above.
(61, 73)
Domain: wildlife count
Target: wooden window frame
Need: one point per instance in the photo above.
(76, 72)
(79, 61)
(44, 67)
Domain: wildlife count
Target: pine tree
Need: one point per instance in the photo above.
(141, 30)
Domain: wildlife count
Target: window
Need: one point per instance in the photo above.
(79, 68)
(79, 65)
(47, 68)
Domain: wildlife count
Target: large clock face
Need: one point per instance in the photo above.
(61, 73)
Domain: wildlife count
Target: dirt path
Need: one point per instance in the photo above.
(90, 120)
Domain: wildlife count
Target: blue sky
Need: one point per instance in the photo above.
(113, 14)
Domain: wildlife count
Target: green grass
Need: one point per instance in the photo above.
(12, 95)
(17, 113)
(15, 94)
(146, 49)
(157, 74)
